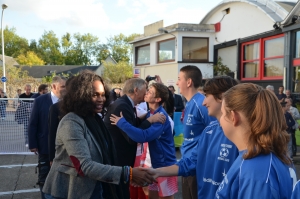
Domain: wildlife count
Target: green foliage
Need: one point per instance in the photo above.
(118, 47)
(76, 49)
(117, 73)
(49, 49)
(48, 79)
(29, 59)
(14, 45)
(220, 68)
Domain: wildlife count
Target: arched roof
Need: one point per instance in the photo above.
(276, 11)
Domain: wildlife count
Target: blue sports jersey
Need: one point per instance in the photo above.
(296, 191)
(195, 120)
(263, 176)
(159, 137)
(210, 160)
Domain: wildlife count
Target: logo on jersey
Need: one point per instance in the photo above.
(224, 152)
(189, 120)
(192, 133)
(221, 186)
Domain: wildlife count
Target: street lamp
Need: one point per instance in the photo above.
(162, 30)
(4, 6)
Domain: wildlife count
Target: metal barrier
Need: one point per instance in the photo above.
(14, 119)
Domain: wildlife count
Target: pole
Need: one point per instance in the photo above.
(3, 56)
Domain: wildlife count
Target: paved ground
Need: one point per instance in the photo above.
(18, 178)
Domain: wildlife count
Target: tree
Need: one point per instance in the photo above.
(117, 73)
(29, 59)
(118, 47)
(14, 45)
(220, 68)
(49, 49)
(48, 79)
(16, 78)
(85, 48)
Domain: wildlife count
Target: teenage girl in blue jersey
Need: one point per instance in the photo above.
(253, 120)
(214, 154)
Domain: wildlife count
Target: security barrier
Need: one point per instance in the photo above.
(14, 119)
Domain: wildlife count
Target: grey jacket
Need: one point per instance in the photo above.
(77, 163)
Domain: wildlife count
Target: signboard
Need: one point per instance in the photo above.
(136, 72)
(3, 79)
(171, 82)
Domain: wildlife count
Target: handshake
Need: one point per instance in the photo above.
(142, 177)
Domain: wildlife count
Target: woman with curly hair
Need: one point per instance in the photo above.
(85, 154)
(252, 118)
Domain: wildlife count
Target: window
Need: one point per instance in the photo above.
(297, 47)
(263, 59)
(142, 54)
(194, 49)
(166, 51)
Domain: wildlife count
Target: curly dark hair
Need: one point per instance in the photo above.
(78, 98)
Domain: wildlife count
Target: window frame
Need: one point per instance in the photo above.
(136, 55)
(157, 51)
(196, 60)
(261, 60)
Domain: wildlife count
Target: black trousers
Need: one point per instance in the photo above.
(43, 170)
(294, 145)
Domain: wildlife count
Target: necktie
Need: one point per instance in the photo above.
(134, 109)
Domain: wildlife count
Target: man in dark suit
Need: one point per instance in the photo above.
(178, 103)
(38, 127)
(134, 91)
(53, 121)
(43, 89)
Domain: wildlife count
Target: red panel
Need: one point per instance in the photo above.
(261, 59)
(218, 27)
(296, 62)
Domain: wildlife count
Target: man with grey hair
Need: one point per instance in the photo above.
(38, 127)
(291, 96)
(134, 92)
(270, 88)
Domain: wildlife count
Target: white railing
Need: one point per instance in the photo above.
(14, 119)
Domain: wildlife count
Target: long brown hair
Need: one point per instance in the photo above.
(265, 117)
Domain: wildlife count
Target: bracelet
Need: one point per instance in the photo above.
(130, 173)
(126, 174)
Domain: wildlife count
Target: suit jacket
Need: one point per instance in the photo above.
(53, 121)
(125, 147)
(38, 124)
(178, 103)
(77, 164)
(35, 95)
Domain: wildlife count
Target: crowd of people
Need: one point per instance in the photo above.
(92, 142)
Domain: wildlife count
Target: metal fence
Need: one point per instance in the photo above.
(14, 119)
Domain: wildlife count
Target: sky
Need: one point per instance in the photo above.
(101, 18)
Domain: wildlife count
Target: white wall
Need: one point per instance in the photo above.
(229, 57)
(243, 20)
(169, 71)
